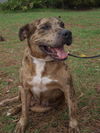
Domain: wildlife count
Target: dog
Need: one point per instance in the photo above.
(45, 79)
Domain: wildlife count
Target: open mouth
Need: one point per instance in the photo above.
(57, 53)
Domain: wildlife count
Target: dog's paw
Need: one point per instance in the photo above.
(73, 126)
(74, 130)
(20, 127)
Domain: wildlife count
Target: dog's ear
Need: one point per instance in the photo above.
(24, 32)
(27, 30)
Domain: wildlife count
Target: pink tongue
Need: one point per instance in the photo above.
(61, 53)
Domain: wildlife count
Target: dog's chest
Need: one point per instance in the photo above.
(38, 81)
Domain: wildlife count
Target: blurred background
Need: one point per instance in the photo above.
(63, 4)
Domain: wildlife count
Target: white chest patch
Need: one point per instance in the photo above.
(39, 82)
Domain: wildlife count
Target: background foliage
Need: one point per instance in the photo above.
(30, 4)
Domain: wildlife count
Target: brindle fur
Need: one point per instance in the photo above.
(57, 91)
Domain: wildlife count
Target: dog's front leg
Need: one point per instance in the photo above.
(25, 98)
(72, 106)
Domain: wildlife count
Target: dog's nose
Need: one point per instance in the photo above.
(66, 34)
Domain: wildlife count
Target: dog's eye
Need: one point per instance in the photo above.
(62, 25)
(46, 27)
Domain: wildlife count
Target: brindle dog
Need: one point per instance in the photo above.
(45, 79)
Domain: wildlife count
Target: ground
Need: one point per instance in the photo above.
(85, 26)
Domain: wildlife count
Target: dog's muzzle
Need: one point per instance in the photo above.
(57, 51)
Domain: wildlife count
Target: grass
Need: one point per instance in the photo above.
(85, 26)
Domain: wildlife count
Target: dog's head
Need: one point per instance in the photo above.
(47, 36)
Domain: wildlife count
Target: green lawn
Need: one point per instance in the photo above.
(85, 26)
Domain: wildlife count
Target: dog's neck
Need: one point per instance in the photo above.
(47, 59)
